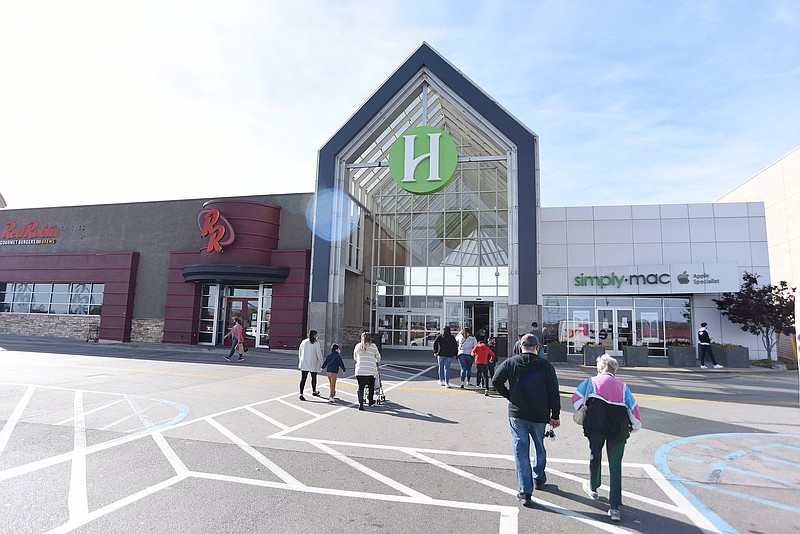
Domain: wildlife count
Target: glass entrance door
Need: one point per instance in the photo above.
(408, 329)
(615, 329)
(247, 310)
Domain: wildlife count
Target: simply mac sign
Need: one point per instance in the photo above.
(654, 279)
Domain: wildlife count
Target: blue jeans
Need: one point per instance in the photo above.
(233, 348)
(465, 361)
(521, 432)
(444, 368)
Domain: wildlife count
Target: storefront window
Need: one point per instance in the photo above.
(658, 321)
(46, 298)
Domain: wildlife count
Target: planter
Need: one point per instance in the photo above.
(736, 357)
(635, 356)
(557, 352)
(682, 356)
(591, 353)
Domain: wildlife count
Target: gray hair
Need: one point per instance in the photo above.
(607, 364)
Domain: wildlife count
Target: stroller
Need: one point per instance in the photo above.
(380, 397)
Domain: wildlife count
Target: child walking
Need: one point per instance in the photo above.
(333, 362)
(483, 354)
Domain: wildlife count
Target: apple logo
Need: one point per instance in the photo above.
(683, 278)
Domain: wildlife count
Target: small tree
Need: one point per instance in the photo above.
(761, 310)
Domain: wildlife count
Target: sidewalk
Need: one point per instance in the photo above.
(286, 357)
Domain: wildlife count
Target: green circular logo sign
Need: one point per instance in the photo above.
(423, 160)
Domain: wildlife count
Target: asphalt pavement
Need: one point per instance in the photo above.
(135, 437)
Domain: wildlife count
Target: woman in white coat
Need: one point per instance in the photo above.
(367, 357)
(310, 356)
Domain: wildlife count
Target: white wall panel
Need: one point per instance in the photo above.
(675, 230)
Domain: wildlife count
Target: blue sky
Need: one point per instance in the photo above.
(634, 102)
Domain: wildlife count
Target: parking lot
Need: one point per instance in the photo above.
(185, 442)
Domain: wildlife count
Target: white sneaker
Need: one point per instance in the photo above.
(717, 366)
(331, 400)
(703, 367)
(614, 515)
(448, 386)
(587, 489)
(440, 382)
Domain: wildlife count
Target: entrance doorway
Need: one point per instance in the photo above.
(615, 329)
(478, 316)
(247, 310)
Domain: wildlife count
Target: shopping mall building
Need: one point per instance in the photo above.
(426, 214)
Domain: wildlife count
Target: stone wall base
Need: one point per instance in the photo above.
(46, 325)
(147, 330)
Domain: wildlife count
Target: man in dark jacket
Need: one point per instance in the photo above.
(533, 402)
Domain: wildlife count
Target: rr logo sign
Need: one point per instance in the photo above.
(216, 227)
(423, 160)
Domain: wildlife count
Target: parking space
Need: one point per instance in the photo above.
(429, 458)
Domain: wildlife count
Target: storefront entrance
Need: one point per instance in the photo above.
(615, 329)
(419, 328)
(247, 310)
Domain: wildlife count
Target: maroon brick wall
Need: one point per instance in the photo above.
(290, 299)
(117, 270)
(182, 309)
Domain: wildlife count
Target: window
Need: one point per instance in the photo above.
(53, 299)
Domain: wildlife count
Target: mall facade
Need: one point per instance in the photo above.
(426, 214)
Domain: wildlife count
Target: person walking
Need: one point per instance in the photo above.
(310, 361)
(518, 345)
(445, 348)
(367, 357)
(237, 336)
(466, 342)
(492, 344)
(483, 355)
(540, 336)
(612, 414)
(704, 339)
(533, 403)
(333, 362)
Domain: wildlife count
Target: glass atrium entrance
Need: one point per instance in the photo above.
(438, 259)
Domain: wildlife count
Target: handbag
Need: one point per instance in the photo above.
(580, 413)
(239, 348)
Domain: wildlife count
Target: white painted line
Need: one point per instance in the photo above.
(263, 460)
(170, 454)
(539, 502)
(8, 428)
(508, 514)
(113, 507)
(634, 496)
(369, 472)
(138, 411)
(112, 403)
(389, 374)
(67, 456)
(682, 502)
(266, 418)
(78, 499)
(398, 366)
(298, 408)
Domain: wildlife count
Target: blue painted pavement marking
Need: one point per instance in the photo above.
(722, 465)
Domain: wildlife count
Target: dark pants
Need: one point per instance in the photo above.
(303, 376)
(369, 382)
(483, 374)
(615, 448)
(703, 350)
(491, 374)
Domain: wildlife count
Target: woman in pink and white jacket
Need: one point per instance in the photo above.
(612, 414)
